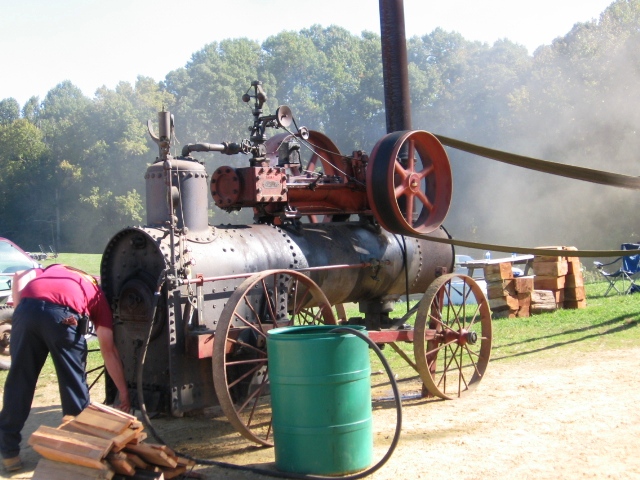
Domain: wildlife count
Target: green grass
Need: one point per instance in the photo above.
(606, 324)
(90, 263)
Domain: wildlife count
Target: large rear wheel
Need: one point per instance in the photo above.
(266, 300)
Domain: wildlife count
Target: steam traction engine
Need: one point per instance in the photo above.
(329, 229)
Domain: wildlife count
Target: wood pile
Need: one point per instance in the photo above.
(557, 283)
(102, 443)
(562, 277)
(509, 297)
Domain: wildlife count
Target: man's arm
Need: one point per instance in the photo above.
(112, 361)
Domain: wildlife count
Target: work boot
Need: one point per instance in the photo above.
(12, 464)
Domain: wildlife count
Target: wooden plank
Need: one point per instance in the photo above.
(135, 423)
(551, 269)
(135, 460)
(120, 464)
(505, 314)
(544, 258)
(501, 288)
(503, 303)
(77, 427)
(543, 282)
(524, 299)
(114, 411)
(574, 304)
(498, 271)
(68, 457)
(577, 293)
(186, 461)
(76, 443)
(50, 470)
(165, 448)
(120, 441)
(130, 435)
(543, 301)
(524, 312)
(103, 421)
(574, 280)
(173, 472)
(152, 455)
(523, 284)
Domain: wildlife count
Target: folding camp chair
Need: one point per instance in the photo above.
(629, 268)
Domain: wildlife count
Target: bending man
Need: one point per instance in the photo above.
(50, 317)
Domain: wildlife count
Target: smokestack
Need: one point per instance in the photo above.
(394, 66)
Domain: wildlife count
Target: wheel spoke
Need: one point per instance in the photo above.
(426, 203)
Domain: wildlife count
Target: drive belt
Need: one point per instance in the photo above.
(570, 171)
(560, 169)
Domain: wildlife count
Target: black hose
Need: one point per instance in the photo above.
(396, 437)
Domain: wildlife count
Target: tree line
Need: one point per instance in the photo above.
(72, 167)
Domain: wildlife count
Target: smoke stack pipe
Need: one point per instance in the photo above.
(394, 66)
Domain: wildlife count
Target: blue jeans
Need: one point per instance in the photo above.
(37, 329)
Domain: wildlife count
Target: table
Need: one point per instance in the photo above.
(515, 260)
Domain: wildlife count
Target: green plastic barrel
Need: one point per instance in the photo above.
(321, 400)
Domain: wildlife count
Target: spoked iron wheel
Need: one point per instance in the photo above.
(266, 300)
(452, 338)
(409, 182)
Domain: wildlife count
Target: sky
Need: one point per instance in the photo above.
(96, 43)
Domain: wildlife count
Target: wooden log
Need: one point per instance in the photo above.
(498, 271)
(51, 470)
(577, 293)
(543, 282)
(551, 269)
(524, 312)
(524, 284)
(501, 288)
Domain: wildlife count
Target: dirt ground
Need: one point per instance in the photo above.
(565, 415)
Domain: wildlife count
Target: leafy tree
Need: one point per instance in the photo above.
(9, 111)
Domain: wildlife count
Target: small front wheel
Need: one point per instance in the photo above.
(452, 341)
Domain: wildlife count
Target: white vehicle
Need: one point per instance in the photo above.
(12, 259)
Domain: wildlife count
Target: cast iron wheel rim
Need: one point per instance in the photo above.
(406, 199)
(453, 364)
(263, 301)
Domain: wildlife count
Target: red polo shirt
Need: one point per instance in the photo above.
(62, 286)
